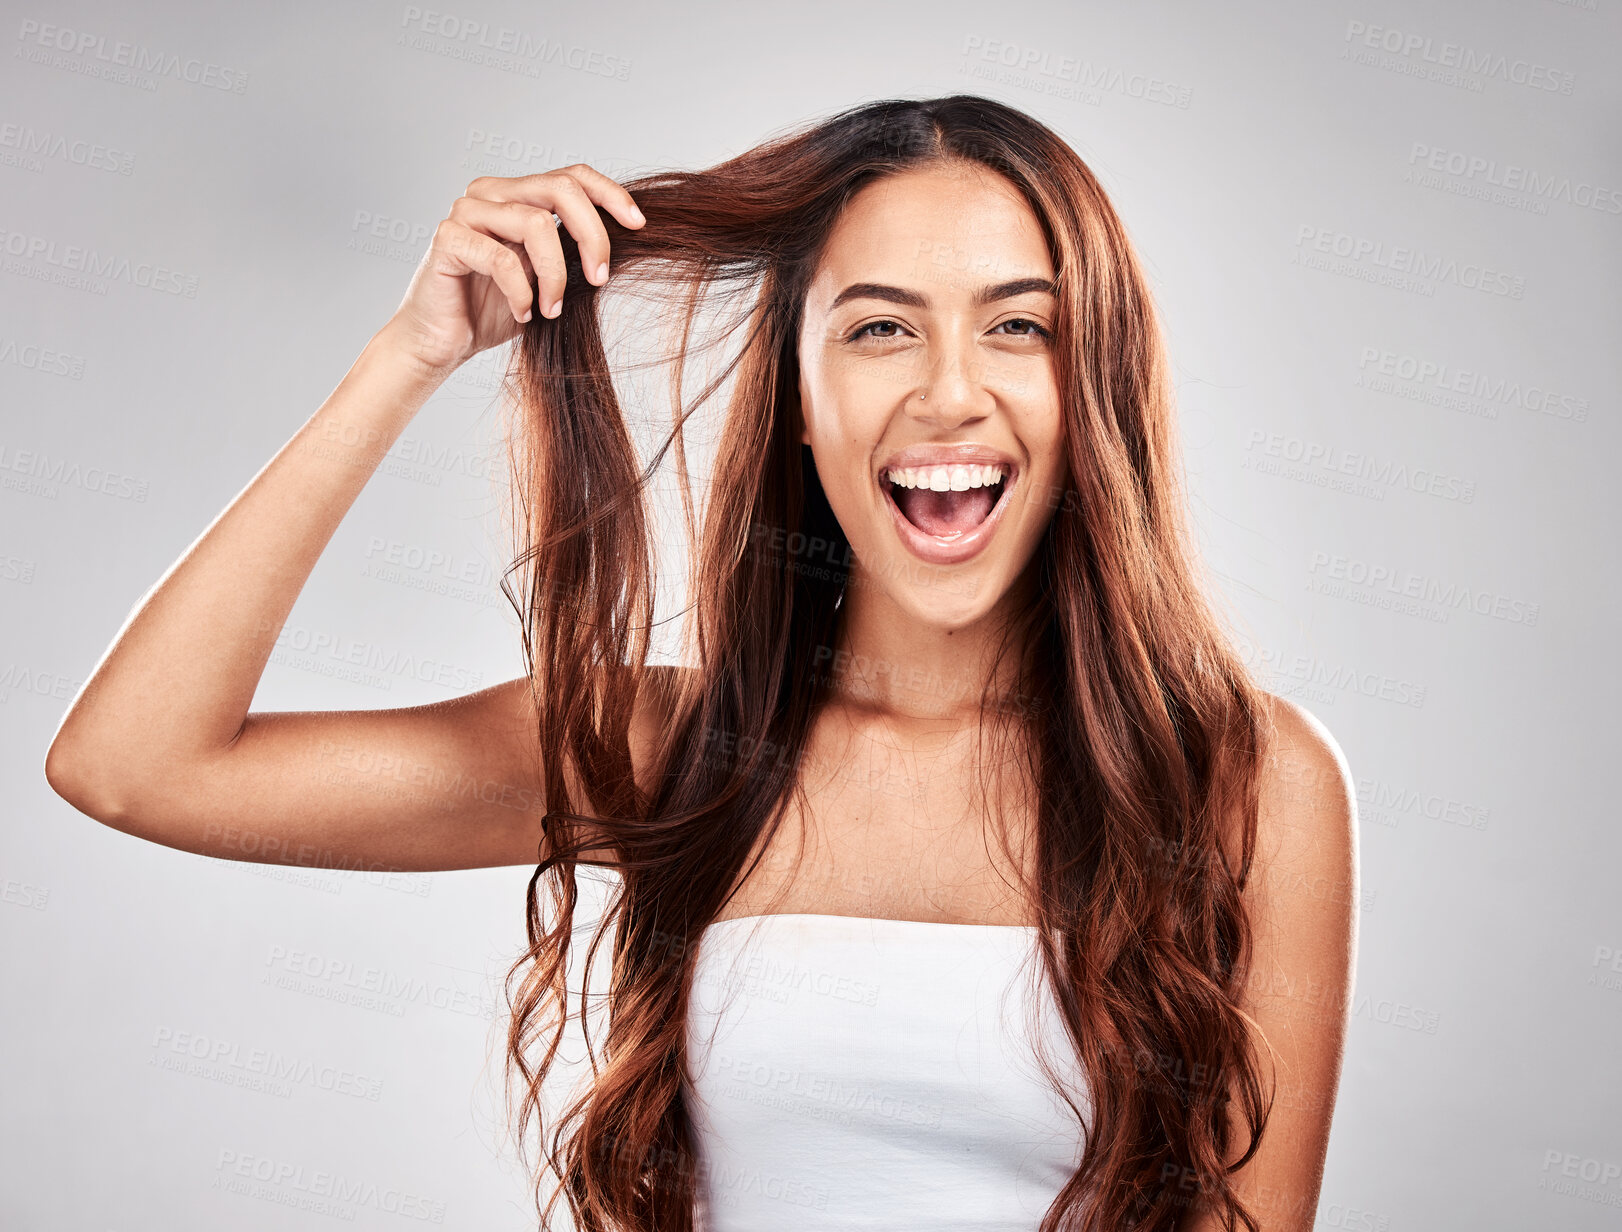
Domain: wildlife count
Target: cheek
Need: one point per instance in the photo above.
(825, 401)
(1050, 479)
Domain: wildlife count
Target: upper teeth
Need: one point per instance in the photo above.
(945, 478)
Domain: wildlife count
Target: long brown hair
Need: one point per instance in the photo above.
(1144, 732)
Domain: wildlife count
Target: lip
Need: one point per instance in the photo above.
(932, 548)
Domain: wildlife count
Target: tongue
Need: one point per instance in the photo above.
(944, 513)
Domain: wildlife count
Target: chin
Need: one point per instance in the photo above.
(956, 599)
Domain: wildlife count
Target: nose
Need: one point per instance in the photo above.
(954, 390)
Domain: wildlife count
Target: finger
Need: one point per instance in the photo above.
(464, 250)
(557, 193)
(609, 194)
(523, 255)
(600, 188)
(576, 210)
(529, 227)
(573, 193)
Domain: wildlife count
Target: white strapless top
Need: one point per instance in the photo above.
(851, 1072)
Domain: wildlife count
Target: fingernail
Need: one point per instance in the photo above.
(602, 272)
(637, 214)
(525, 318)
(554, 309)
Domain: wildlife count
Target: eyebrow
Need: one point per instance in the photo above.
(912, 299)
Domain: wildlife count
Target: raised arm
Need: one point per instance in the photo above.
(160, 742)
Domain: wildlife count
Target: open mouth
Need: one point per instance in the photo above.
(946, 501)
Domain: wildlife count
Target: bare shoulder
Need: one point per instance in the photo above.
(1302, 739)
(1307, 817)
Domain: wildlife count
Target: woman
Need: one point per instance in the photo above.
(955, 709)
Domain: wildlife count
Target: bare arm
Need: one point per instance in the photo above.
(160, 742)
(1303, 901)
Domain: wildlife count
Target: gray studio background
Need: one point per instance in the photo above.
(1385, 240)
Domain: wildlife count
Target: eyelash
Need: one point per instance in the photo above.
(1036, 331)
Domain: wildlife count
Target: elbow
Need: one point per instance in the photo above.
(60, 768)
(71, 773)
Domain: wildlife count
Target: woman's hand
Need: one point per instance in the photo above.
(496, 254)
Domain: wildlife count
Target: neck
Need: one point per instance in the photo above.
(888, 662)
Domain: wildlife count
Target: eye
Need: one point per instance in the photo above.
(1034, 330)
(862, 332)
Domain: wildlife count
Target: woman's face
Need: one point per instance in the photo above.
(926, 363)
